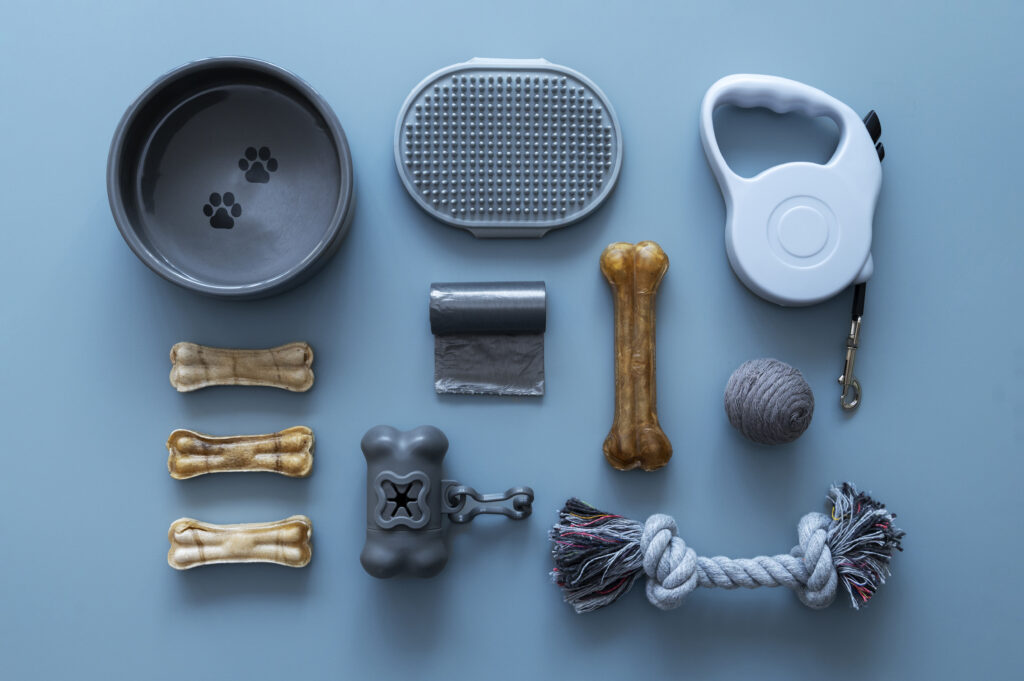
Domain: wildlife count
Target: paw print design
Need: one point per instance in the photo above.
(258, 164)
(222, 210)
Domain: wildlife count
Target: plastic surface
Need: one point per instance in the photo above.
(798, 233)
(231, 177)
(490, 307)
(489, 337)
(403, 502)
(508, 147)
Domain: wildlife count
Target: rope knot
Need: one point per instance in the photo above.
(674, 569)
(670, 565)
(819, 590)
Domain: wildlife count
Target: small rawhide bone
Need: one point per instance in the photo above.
(195, 543)
(634, 272)
(289, 452)
(198, 366)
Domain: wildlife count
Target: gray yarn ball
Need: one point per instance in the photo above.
(769, 401)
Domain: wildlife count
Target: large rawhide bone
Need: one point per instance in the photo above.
(198, 366)
(195, 543)
(289, 452)
(636, 439)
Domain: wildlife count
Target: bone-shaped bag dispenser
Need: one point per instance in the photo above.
(407, 499)
(799, 233)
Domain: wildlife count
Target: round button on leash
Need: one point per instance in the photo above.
(803, 231)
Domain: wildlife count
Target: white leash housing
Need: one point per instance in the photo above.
(798, 233)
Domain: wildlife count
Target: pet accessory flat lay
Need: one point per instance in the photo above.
(286, 367)
(489, 337)
(769, 401)
(599, 556)
(288, 452)
(284, 542)
(407, 498)
(231, 177)
(508, 147)
(636, 439)
(800, 233)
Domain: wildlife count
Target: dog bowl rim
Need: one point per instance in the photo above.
(296, 273)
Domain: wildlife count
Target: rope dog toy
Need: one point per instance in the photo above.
(769, 401)
(599, 556)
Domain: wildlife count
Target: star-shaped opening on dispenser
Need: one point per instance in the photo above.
(402, 500)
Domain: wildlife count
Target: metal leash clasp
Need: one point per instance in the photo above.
(850, 399)
(455, 498)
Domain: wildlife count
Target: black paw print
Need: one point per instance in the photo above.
(258, 164)
(222, 216)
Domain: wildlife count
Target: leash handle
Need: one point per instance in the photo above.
(782, 96)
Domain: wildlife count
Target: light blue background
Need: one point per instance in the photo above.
(85, 591)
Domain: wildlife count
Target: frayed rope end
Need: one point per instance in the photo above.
(862, 538)
(597, 555)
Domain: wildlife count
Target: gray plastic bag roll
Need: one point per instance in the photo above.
(489, 337)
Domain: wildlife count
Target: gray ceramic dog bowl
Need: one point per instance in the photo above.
(231, 177)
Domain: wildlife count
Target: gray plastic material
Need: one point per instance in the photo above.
(403, 502)
(508, 147)
(490, 307)
(231, 177)
(407, 497)
(489, 337)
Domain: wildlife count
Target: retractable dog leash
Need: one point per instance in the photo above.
(799, 233)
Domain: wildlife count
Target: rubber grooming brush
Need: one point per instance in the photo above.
(508, 147)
